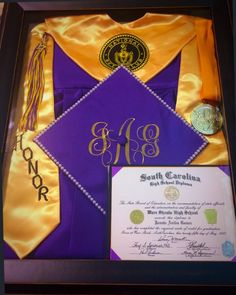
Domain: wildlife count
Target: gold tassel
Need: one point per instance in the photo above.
(35, 78)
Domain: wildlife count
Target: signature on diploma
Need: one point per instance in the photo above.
(172, 239)
(150, 248)
(198, 249)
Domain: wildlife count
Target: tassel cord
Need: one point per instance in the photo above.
(35, 78)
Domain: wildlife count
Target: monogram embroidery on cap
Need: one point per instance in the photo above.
(144, 145)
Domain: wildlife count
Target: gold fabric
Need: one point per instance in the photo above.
(82, 37)
(198, 80)
(27, 221)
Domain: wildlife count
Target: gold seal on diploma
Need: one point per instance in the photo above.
(136, 216)
(171, 193)
(206, 119)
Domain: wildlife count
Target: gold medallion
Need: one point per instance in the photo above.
(124, 49)
(206, 119)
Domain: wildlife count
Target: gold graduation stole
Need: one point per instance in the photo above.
(31, 205)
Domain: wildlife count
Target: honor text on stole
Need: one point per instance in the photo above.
(33, 168)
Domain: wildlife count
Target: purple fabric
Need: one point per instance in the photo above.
(82, 230)
(113, 255)
(71, 82)
(225, 169)
(115, 101)
(115, 170)
(165, 84)
(8, 252)
(234, 259)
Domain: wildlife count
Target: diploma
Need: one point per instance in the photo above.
(172, 213)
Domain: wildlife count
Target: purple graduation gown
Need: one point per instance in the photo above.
(83, 230)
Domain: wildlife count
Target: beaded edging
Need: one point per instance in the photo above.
(77, 183)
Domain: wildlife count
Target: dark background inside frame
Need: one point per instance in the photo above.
(103, 272)
(121, 290)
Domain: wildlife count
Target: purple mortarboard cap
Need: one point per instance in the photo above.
(120, 121)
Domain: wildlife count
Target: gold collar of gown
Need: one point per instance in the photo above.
(81, 38)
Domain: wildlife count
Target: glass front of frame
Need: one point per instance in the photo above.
(96, 92)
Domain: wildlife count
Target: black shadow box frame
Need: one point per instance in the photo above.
(28, 275)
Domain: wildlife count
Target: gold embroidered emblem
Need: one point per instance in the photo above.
(124, 49)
